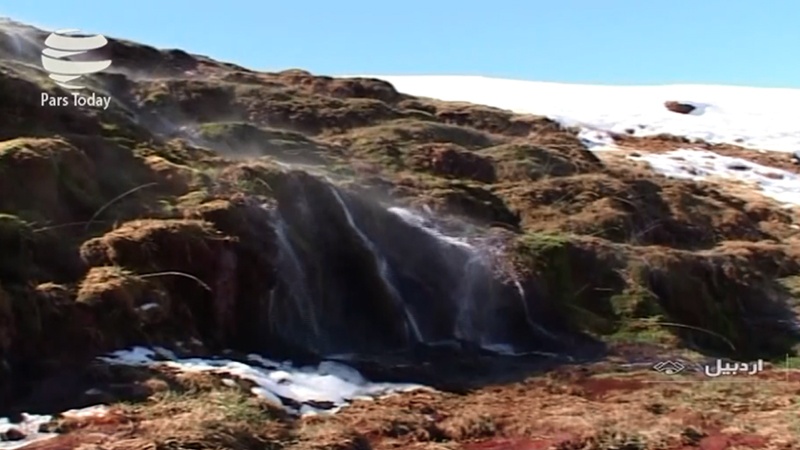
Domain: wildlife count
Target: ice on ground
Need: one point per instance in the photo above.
(779, 184)
(32, 423)
(324, 388)
(29, 427)
(763, 118)
(597, 140)
(90, 411)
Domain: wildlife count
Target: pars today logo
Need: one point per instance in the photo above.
(63, 44)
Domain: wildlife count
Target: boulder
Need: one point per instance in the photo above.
(678, 107)
(13, 434)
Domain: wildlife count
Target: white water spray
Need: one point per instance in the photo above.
(295, 277)
(466, 327)
(383, 269)
(470, 320)
(469, 316)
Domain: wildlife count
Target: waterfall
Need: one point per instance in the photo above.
(359, 277)
(22, 44)
(528, 317)
(467, 328)
(473, 322)
(294, 281)
(413, 328)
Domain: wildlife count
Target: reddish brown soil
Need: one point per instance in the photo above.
(589, 407)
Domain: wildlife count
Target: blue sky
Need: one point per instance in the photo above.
(741, 42)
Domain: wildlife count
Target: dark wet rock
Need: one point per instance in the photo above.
(13, 434)
(680, 108)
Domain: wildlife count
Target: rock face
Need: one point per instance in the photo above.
(680, 108)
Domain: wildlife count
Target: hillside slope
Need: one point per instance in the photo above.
(250, 212)
(757, 118)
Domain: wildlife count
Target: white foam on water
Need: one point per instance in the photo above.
(321, 389)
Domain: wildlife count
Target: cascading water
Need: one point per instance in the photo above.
(19, 41)
(293, 281)
(473, 323)
(356, 277)
(466, 327)
(413, 328)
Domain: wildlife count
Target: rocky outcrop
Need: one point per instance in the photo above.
(678, 107)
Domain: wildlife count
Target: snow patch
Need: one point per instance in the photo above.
(90, 411)
(699, 108)
(597, 140)
(324, 388)
(763, 118)
(778, 184)
(29, 426)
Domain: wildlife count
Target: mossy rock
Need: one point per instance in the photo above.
(644, 332)
(719, 303)
(404, 131)
(520, 162)
(122, 304)
(636, 301)
(47, 178)
(151, 245)
(42, 323)
(452, 161)
(576, 279)
(240, 139)
(256, 178)
(469, 200)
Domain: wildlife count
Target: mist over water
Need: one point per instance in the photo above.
(22, 43)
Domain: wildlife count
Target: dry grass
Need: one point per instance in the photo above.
(596, 406)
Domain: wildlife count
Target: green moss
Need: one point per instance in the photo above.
(12, 225)
(545, 253)
(179, 152)
(245, 139)
(466, 199)
(223, 405)
(792, 286)
(790, 362)
(526, 162)
(397, 133)
(533, 243)
(646, 331)
(636, 301)
(156, 95)
(65, 178)
(193, 199)
(546, 257)
(712, 304)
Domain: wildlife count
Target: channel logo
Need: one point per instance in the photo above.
(62, 44)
